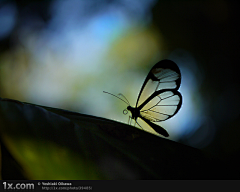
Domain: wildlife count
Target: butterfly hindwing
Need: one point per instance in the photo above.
(162, 105)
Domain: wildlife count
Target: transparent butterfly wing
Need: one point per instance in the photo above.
(159, 99)
(163, 75)
(162, 105)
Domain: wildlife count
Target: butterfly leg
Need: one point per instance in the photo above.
(138, 124)
(129, 120)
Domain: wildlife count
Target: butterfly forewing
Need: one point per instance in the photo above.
(164, 75)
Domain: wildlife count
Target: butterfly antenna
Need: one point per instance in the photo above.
(124, 97)
(118, 97)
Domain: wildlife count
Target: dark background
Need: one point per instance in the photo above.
(210, 30)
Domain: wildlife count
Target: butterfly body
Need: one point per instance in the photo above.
(135, 112)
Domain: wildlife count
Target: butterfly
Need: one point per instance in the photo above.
(159, 98)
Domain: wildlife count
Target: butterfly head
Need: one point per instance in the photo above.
(135, 111)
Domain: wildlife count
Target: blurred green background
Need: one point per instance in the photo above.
(64, 54)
